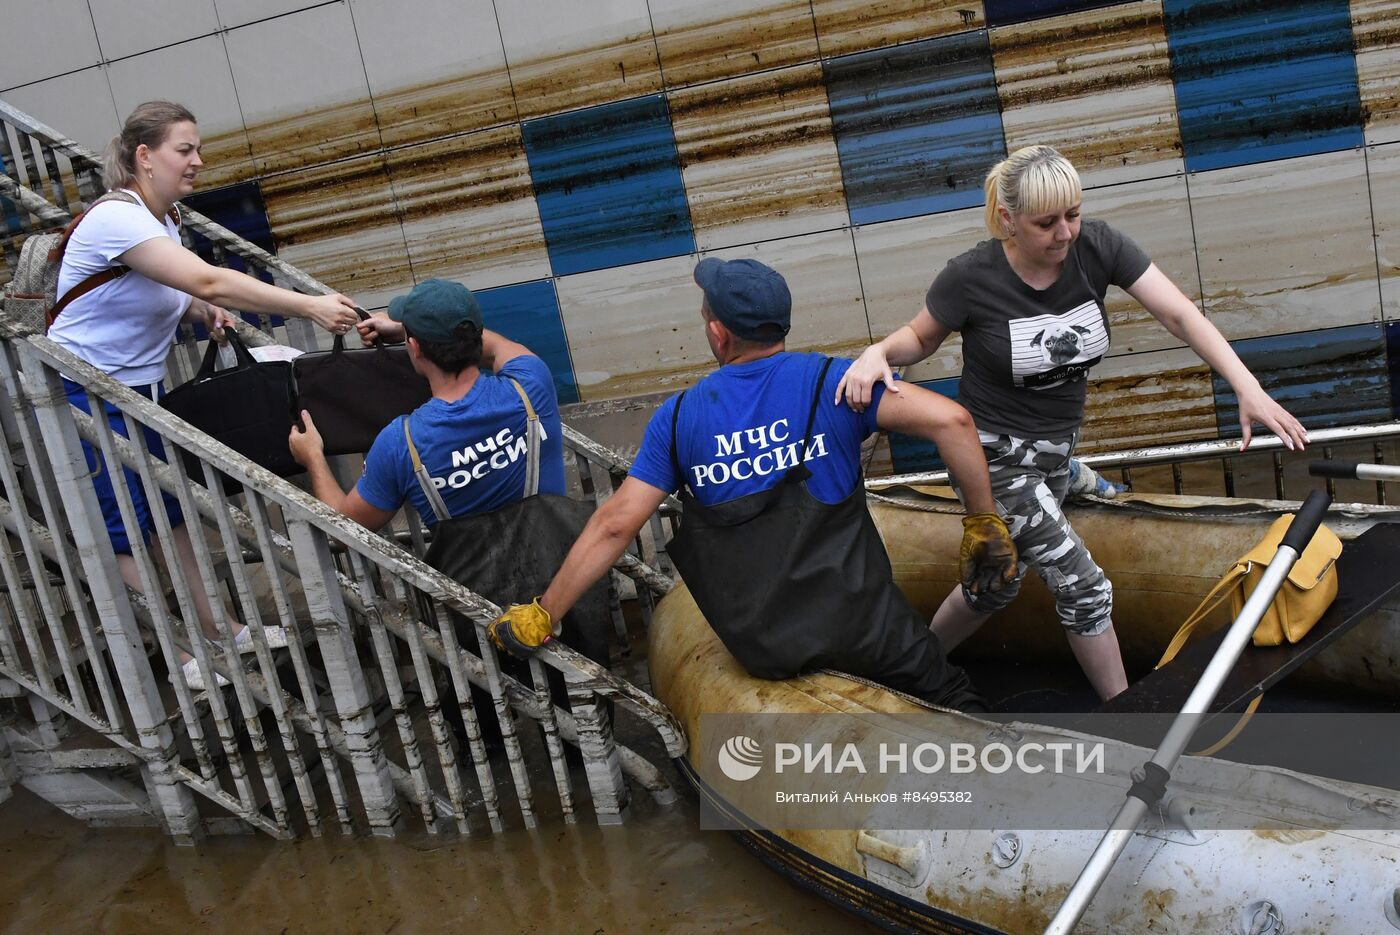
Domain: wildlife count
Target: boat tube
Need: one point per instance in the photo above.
(1281, 850)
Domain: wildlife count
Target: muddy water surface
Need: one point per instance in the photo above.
(655, 874)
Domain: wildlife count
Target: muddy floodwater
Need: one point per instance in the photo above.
(657, 873)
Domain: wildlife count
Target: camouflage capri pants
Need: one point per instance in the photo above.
(1029, 481)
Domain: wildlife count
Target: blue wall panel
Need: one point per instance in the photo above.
(1325, 378)
(1259, 79)
(917, 126)
(240, 208)
(608, 183)
(910, 453)
(529, 313)
(1392, 353)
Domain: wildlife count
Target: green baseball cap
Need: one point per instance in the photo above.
(434, 308)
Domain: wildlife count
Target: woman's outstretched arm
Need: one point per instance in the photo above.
(1179, 315)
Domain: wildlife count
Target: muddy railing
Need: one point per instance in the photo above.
(368, 711)
(1265, 451)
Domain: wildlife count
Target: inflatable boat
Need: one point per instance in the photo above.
(1283, 850)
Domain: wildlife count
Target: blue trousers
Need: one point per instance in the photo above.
(102, 477)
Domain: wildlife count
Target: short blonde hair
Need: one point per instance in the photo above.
(1032, 180)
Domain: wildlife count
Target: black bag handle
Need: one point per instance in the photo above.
(245, 360)
(338, 346)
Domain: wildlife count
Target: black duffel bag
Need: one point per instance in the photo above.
(353, 393)
(249, 407)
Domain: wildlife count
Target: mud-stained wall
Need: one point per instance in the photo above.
(573, 160)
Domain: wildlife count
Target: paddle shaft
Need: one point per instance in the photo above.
(1096, 870)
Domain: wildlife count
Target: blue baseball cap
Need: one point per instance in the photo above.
(750, 299)
(434, 308)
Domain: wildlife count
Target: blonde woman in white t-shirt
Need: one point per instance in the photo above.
(125, 327)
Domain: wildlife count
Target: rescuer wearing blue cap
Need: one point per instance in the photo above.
(470, 437)
(775, 543)
(482, 461)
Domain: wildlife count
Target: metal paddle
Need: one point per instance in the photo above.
(1149, 789)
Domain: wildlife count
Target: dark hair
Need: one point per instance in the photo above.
(456, 355)
(150, 124)
(768, 334)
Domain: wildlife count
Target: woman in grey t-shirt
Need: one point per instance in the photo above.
(1030, 307)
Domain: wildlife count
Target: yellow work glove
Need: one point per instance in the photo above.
(522, 629)
(987, 559)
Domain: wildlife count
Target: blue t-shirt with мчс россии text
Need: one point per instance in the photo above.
(474, 448)
(740, 431)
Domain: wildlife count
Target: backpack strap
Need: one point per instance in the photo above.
(96, 279)
(425, 482)
(80, 290)
(533, 430)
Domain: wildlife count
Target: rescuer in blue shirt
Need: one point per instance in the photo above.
(776, 544)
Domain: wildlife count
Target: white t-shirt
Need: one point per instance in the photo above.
(124, 327)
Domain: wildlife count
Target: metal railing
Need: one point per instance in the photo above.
(373, 633)
(369, 710)
(1322, 442)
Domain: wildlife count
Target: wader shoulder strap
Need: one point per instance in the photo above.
(424, 481)
(675, 455)
(812, 413)
(532, 442)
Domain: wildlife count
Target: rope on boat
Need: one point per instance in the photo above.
(893, 691)
(930, 503)
(916, 500)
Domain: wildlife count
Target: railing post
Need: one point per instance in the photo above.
(326, 605)
(301, 333)
(9, 776)
(50, 726)
(1378, 454)
(601, 763)
(104, 583)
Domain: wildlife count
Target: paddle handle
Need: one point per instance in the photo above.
(1354, 469)
(1173, 745)
(1304, 525)
(1343, 469)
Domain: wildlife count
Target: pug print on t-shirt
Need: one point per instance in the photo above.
(1047, 350)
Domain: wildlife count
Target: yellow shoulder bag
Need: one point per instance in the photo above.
(1304, 597)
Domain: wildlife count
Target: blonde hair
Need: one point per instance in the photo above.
(150, 124)
(1032, 180)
